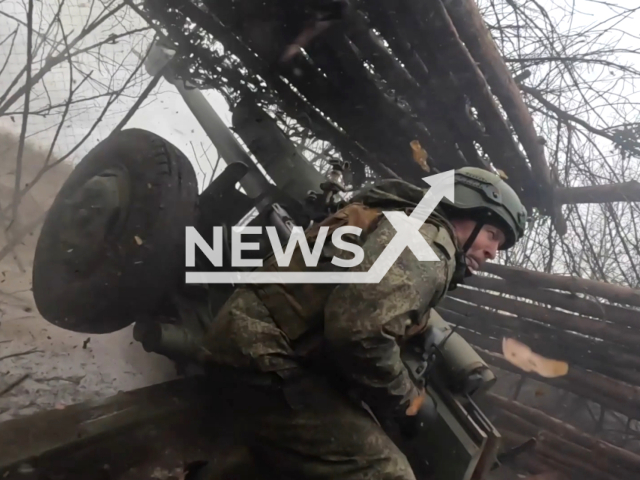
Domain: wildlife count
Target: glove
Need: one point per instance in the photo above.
(421, 413)
(409, 423)
(416, 403)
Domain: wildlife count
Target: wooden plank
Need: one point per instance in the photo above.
(617, 396)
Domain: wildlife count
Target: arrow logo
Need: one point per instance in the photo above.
(407, 235)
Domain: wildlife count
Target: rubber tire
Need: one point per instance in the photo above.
(129, 279)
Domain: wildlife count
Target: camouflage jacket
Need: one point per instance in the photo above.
(361, 326)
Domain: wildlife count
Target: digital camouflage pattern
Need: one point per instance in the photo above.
(357, 331)
(321, 434)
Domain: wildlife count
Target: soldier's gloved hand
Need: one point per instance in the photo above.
(408, 421)
(418, 415)
(416, 403)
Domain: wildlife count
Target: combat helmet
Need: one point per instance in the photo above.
(487, 198)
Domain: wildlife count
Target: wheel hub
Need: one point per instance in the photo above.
(94, 214)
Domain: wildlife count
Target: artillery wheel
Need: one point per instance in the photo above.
(112, 245)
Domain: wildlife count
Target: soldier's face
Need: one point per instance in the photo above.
(486, 245)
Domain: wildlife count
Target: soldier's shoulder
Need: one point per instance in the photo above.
(439, 233)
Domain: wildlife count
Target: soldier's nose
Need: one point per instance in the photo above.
(490, 252)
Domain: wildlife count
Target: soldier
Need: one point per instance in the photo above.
(328, 356)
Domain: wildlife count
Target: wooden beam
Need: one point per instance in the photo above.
(574, 459)
(617, 396)
(571, 284)
(472, 29)
(616, 192)
(120, 437)
(576, 350)
(561, 320)
(59, 432)
(442, 147)
(435, 35)
(435, 99)
(565, 301)
(605, 453)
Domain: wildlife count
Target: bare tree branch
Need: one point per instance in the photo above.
(25, 116)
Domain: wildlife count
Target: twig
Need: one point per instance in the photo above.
(143, 96)
(68, 104)
(114, 97)
(215, 168)
(13, 40)
(20, 354)
(13, 385)
(25, 116)
(4, 251)
(567, 117)
(57, 59)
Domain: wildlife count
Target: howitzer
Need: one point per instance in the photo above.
(453, 437)
(124, 263)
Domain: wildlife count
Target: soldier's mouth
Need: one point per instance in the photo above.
(472, 264)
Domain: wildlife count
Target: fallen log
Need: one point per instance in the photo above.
(614, 293)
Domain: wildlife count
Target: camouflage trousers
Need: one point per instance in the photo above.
(317, 433)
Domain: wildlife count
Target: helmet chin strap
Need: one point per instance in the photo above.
(472, 237)
(462, 270)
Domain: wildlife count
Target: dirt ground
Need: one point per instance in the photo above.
(43, 366)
